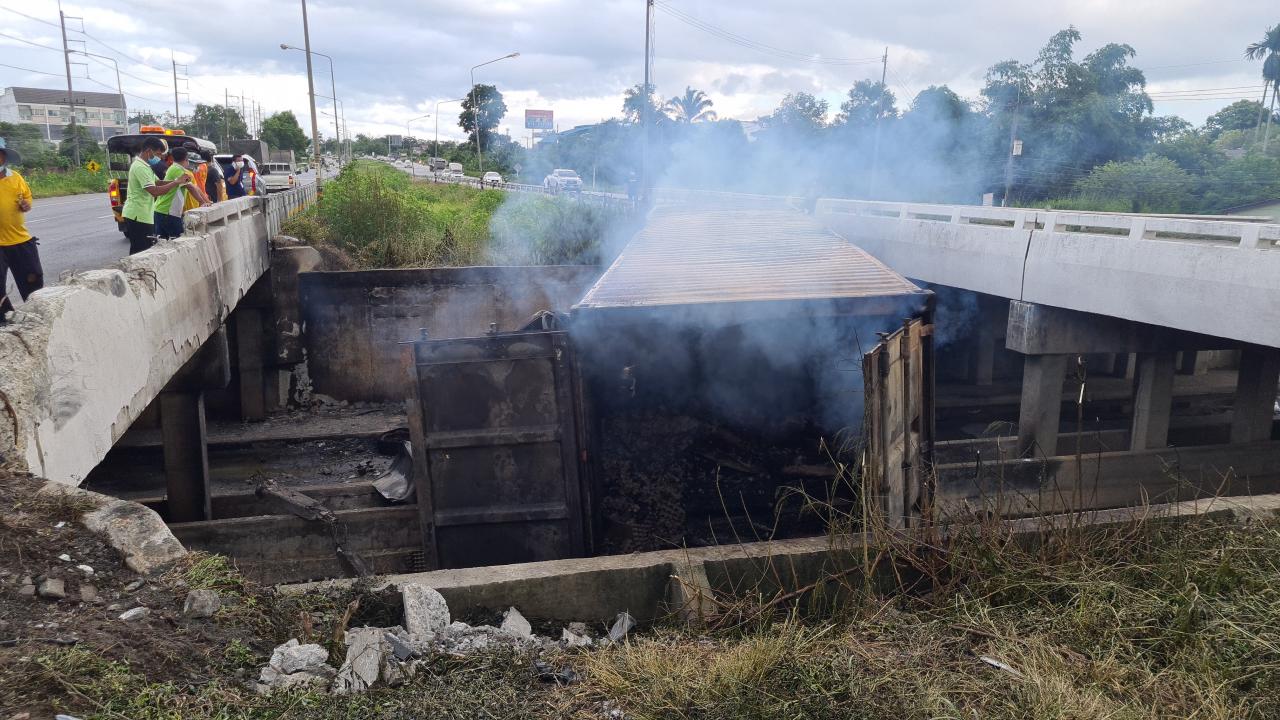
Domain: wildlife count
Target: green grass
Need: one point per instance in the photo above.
(381, 218)
(53, 183)
(1153, 621)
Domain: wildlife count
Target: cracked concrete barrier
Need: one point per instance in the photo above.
(82, 360)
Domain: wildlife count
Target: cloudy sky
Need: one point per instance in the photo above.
(394, 59)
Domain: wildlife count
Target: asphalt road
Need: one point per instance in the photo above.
(78, 233)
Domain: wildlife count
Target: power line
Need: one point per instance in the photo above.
(756, 45)
(29, 17)
(36, 44)
(30, 70)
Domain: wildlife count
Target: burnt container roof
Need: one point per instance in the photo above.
(690, 256)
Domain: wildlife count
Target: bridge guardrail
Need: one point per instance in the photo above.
(603, 198)
(1244, 234)
(283, 205)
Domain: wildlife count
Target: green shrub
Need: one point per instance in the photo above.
(54, 183)
(382, 218)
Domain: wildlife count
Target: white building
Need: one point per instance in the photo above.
(104, 114)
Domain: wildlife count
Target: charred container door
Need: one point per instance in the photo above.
(494, 423)
(898, 387)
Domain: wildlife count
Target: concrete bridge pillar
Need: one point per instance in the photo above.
(182, 429)
(1152, 401)
(1040, 413)
(1256, 385)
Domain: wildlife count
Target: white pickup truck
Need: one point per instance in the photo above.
(277, 176)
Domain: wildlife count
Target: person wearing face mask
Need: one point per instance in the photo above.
(18, 250)
(235, 181)
(142, 190)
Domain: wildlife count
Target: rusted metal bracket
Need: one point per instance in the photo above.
(292, 502)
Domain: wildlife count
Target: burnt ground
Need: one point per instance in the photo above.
(674, 480)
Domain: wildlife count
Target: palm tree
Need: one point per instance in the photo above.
(1268, 51)
(694, 106)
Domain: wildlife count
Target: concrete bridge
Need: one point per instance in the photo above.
(1081, 283)
(84, 360)
(81, 361)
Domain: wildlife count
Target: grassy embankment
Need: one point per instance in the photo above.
(1173, 620)
(50, 183)
(377, 217)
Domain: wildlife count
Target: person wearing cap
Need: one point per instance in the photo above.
(18, 249)
(170, 206)
(140, 202)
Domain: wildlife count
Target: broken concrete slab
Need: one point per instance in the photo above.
(83, 359)
(425, 610)
(516, 625)
(367, 648)
(134, 530)
(292, 657)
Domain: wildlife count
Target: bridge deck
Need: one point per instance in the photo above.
(690, 256)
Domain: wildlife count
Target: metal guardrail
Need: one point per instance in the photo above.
(608, 200)
(284, 205)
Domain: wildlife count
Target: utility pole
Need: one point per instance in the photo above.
(644, 113)
(71, 100)
(226, 118)
(311, 94)
(177, 113)
(875, 147)
(1015, 149)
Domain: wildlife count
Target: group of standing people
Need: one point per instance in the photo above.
(162, 185)
(155, 202)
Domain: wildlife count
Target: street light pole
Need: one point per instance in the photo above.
(438, 103)
(413, 168)
(475, 111)
(311, 93)
(333, 88)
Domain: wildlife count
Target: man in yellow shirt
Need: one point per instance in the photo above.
(18, 251)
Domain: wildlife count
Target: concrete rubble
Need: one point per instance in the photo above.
(391, 656)
(293, 664)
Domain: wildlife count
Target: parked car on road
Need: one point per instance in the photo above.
(491, 178)
(562, 180)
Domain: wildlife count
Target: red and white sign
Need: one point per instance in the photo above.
(539, 120)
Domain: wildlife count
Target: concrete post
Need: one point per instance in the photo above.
(1152, 401)
(1255, 399)
(993, 317)
(186, 456)
(1041, 411)
(249, 355)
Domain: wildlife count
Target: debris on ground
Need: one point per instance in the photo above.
(293, 664)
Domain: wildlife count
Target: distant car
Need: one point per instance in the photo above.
(491, 178)
(562, 180)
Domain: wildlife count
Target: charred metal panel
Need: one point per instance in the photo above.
(495, 429)
(898, 383)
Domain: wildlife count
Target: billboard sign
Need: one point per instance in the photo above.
(396, 140)
(539, 120)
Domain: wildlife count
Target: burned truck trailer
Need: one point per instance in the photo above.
(731, 376)
(703, 390)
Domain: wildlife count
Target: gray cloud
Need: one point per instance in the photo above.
(393, 56)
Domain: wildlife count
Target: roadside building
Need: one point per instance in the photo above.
(104, 114)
